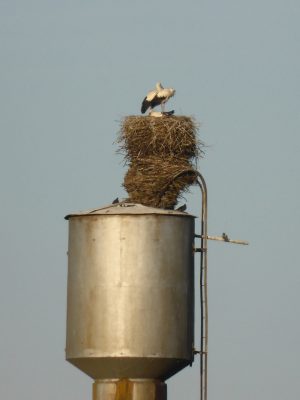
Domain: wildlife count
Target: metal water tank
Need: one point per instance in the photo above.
(130, 307)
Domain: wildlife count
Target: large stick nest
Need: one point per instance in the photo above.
(158, 182)
(162, 155)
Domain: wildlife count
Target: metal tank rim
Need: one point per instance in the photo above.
(128, 209)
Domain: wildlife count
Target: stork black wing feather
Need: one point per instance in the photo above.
(145, 105)
(156, 101)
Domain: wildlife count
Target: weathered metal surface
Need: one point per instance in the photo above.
(130, 294)
(126, 389)
(129, 209)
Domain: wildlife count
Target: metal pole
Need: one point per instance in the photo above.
(203, 292)
(224, 238)
(203, 284)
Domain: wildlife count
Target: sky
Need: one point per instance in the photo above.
(69, 72)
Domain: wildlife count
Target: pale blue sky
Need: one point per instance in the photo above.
(69, 71)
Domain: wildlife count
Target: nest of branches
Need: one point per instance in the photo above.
(173, 136)
(162, 155)
(158, 182)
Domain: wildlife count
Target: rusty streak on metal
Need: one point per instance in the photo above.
(124, 390)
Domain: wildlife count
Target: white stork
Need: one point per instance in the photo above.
(158, 96)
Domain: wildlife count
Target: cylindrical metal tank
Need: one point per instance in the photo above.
(130, 311)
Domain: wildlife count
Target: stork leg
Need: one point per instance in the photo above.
(162, 107)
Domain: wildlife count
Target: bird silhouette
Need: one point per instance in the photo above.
(181, 208)
(225, 237)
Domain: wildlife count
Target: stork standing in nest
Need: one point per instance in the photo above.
(158, 96)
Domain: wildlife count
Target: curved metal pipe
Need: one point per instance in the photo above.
(203, 292)
(203, 284)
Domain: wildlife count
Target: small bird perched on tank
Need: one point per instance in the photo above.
(159, 95)
(181, 208)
